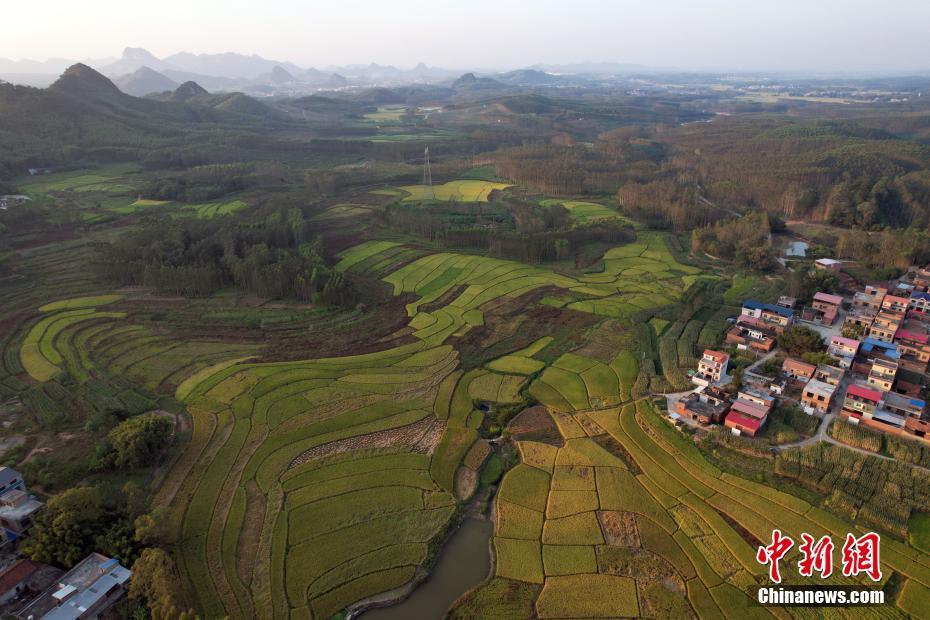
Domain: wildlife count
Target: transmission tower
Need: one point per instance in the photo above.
(428, 173)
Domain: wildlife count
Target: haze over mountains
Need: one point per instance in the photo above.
(139, 72)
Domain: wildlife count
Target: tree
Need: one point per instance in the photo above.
(137, 442)
(853, 331)
(798, 339)
(152, 528)
(818, 357)
(155, 583)
(63, 533)
(117, 542)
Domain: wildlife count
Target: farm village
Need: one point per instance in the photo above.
(276, 376)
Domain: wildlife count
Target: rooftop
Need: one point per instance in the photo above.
(889, 349)
(746, 421)
(864, 392)
(900, 401)
(820, 388)
(845, 342)
(895, 299)
(694, 404)
(830, 371)
(791, 363)
(826, 298)
(828, 261)
(717, 356)
(79, 589)
(752, 304)
(904, 334)
(8, 475)
(18, 505)
(749, 408)
(15, 575)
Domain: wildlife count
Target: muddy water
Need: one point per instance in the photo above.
(463, 563)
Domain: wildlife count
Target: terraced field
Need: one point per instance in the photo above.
(308, 486)
(627, 505)
(288, 458)
(108, 179)
(588, 212)
(467, 190)
(213, 209)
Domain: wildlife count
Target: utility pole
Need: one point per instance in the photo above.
(428, 173)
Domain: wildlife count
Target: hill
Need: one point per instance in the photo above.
(144, 81)
(84, 117)
(189, 90)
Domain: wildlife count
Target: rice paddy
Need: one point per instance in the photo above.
(106, 180)
(283, 433)
(467, 190)
(587, 212)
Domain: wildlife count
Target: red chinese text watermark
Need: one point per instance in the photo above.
(859, 555)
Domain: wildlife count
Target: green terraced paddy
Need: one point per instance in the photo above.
(264, 422)
(467, 190)
(588, 212)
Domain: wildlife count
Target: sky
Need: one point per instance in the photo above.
(738, 35)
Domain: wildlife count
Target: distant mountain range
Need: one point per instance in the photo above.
(139, 72)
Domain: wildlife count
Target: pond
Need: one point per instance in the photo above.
(797, 248)
(464, 562)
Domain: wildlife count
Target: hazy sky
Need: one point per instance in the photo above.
(870, 35)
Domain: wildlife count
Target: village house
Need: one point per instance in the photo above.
(870, 300)
(858, 320)
(824, 309)
(896, 304)
(752, 395)
(749, 334)
(748, 413)
(778, 386)
(885, 325)
(23, 580)
(86, 591)
(872, 348)
(798, 371)
(17, 507)
(712, 368)
(787, 302)
(817, 396)
(772, 316)
(921, 279)
(829, 374)
(903, 407)
(882, 374)
(860, 401)
(828, 264)
(704, 406)
(17, 511)
(844, 350)
(895, 414)
(913, 346)
(919, 306)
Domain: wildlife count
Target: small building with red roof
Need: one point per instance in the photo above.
(861, 400)
(748, 413)
(796, 370)
(824, 309)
